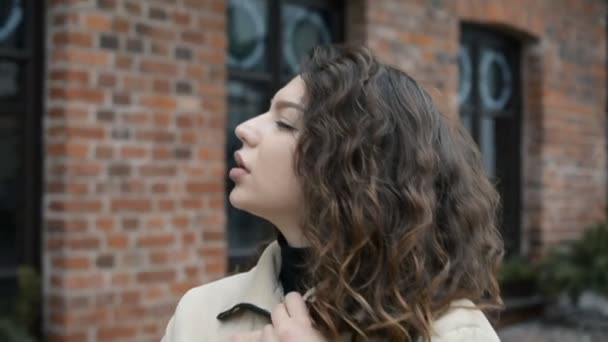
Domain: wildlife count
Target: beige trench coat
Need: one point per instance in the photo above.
(242, 302)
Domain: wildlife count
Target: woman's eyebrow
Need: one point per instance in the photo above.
(280, 104)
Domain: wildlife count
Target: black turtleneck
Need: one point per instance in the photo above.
(292, 272)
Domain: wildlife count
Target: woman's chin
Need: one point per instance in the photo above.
(238, 199)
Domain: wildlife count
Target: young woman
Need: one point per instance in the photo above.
(386, 219)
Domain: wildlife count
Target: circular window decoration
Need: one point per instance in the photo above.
(465, 79)
(10, 18)
(303, 30)
(246, 34)
(495, 80)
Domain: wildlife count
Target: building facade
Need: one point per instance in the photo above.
(117, 118)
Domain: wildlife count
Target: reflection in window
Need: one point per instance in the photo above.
(303, 29)
(247, 34)
(494, 80)
(11, 19)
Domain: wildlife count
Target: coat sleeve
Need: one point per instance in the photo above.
(467, 334)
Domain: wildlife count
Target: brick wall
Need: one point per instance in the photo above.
(134, 132)
(564, 92)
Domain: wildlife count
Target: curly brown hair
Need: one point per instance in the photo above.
(400, 216)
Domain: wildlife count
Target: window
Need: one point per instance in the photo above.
(20, 134)
(490, 108)
(267, 40)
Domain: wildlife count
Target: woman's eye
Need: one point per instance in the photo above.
(285, 126)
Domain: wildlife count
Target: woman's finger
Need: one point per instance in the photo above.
(252, 336)
(268, 334)
(296, 307)
(279, 314)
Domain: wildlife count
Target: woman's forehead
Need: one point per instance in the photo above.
(293, 91)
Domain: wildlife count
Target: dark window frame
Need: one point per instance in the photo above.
(508, 180)
(29, 111)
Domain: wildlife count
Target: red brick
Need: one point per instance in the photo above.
(75, 206)
(120, 25)
(118, 241)
(106, 79)
(133, 8)
(95, 132)
(133, 152)
(180, 222)
(123, 62)
(197, 187)
(193, 37)
(71, 262)
(192, 203)
(78, 281)
(216, 267)
(159, 188)
(157, 170)
(81, 57)
(154, 66)
(160, 135)
(134, 83)
(90, 95)
(161, 276)
(154, 31)
(67, 187)
(188, 239)
(182, 287)
(159, 101)
(104, 152)
(121, 279)
(182, 18)
(161, 152)
(156, 240)
(70, 76)
(66, 225)
(85, 242)
(116, 332)
(209, 236)
(213, 252)
(73, 38)
(125, 204)
(105, 223)
(217, 40)
(68, 149)
(166, 205)
(98, 22)
(68, 113)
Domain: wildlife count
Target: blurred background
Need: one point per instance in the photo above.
(116, 131)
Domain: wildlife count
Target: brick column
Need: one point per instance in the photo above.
(134, 135)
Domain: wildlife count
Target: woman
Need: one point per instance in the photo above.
(386, 220)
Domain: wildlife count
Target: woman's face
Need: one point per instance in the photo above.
(265, 182)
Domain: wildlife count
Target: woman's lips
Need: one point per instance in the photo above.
(237, 173)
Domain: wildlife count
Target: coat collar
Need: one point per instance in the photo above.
(262, 290)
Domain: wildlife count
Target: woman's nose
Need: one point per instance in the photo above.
(245, 133)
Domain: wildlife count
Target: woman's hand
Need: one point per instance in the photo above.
(290, 322)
